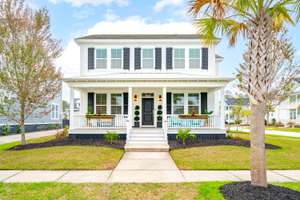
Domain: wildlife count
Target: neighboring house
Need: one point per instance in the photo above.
(230, 102)
(132, 81)
(50, 118)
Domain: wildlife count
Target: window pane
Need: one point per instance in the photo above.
(179, 63)
(101, 63)
(116, 99)
(116, 63)
(178, 109)
(195, 53)
(100, 99)
(101, 53)
(179, 53)
(101, 110)
(195, 63)
(193, 109)
(194, 99)
(116, 53)
(147, 53)
(115, 110)
(178, 99)
(148, 63)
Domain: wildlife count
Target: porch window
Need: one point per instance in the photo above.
(54, 111)
(101, 58)
(116, 104)
(193, 103)
(194, 55)
(116, 58)
(148, 58)
(179, 58)
(293, 114)
(178, 103)
(101, 103)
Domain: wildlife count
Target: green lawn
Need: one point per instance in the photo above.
(237, 157)
(180, 191)
(59, 157)
(283, 129)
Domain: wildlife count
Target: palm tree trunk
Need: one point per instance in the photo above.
(258, 157)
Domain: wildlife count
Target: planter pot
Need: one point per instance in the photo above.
(136, 124)
(159, 124)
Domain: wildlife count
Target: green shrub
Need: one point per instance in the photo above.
(137, 112)
(184, 134)
(5, 129)
(18, 129)
(111, 136)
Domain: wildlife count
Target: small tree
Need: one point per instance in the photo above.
(111, 136)
(28, 52)
(184, 134)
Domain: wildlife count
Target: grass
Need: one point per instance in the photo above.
(180, 191)
(236, 157)
(59, 157)
(286, 129)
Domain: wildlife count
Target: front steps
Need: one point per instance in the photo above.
(146, 140)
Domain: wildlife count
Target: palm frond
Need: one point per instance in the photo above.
(236, 28)
(216, 8)
(280, 14)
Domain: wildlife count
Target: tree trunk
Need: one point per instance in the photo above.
(22, 124)
(258, 157)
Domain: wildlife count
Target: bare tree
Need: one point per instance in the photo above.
(28, 51)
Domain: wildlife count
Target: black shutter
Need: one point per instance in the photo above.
(126, 58)
(157, 58)
(204, 102)
(204, 58)
(91, 58)
(125, 103)
(169, 58)
(91, 103)
(169, 103)
(137, 58)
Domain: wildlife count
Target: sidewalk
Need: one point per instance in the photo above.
(140, 176)
(271, 132)
(31, 135)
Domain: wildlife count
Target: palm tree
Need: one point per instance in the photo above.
(258, 21)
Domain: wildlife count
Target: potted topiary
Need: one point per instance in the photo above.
(137, 117)
(159, 117)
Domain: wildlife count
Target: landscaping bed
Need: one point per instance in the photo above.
(245, 191)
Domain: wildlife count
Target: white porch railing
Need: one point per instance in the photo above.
(117, 121)
(174, 121)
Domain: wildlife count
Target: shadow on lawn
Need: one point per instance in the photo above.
(119, 144)
(218, 142)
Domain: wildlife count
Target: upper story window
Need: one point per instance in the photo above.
(147, 58)
(101, 103)
(101, 58)
(179, 58)
(194, 56)
(116, 58)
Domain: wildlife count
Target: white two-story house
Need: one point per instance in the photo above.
(146, 87)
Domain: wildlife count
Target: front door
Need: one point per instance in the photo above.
(147, 111)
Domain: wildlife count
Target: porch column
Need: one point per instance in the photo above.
(222, 109)
(71, 107)
(129, 120)
(164, 110)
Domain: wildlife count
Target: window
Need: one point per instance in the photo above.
(179, 58)
(292, 113)
(293, 99)
(194, 55)
(148, 59)
(116, 58)
(116, 103)
(54, 111)
(193, 103)
(178, 103)
(101, 58)
(101, 103)
(298, 113)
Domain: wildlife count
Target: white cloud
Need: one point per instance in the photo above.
(161, 4)
(92, 2)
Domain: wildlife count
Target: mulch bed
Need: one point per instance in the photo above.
(119, 144)
(202, 143)
(245, 191)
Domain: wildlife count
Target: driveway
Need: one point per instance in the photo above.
(31, 135)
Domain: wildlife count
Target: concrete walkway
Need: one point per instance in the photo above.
(271, 132)
(31, 135)
(140, 176)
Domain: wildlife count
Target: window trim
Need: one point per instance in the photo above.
(153, 58)
(106, 49)
(184, 58)
(200, 59)
(106, 102)
(122, 103)
(122, 58)
(54, 115)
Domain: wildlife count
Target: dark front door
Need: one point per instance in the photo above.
(147, 111)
